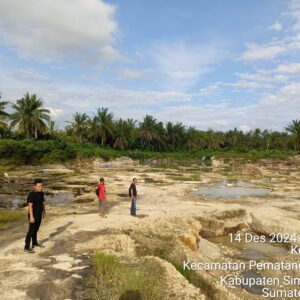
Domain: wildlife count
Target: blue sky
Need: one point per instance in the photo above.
(209, 64)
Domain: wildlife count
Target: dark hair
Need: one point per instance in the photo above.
(133, 179)
(37, 180)
(101, 179)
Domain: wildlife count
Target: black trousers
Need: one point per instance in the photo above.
(32, 232)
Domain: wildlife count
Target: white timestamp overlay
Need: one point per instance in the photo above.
(264, 282)
(272, 238)
(288, 285)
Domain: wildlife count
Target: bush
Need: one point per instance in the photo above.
(7, 218)
(30, 151)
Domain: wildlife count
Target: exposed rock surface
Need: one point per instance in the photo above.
(171, 227)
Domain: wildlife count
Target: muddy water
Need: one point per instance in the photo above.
(60, 199)
(251, 251)
(13, 202)
(231, 189)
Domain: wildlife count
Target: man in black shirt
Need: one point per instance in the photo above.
(133, 197)
(36, 212)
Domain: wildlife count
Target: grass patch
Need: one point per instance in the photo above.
(153, 244)
(119, 280)
(165, 248)
(199, 281)
(194, 177)
(179, 178)
(152, 180)
(10, 218)
(158, 170)
(149, 180)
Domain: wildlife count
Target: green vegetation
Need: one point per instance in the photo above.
(126, 281)
(165, 247)
(29, 116)
(199, 281)
(10, 218)
(29, 151)
(3, 116)
(105, 136)
(294, 129)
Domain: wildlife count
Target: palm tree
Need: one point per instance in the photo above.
(175, 135)
(294, 128)
(232, 137)
(148, 131)
(92, 129)
(104, 121)
(256, 134)
(193, 141)
(267, 138)
(124, 133)
(80, 124)
(52, 127)
(29, 116)
(3, 114)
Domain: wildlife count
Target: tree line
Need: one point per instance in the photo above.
(30, 119)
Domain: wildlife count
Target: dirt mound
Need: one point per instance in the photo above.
(124, 160)
(178, 286)
(250, 169)
(117, 244)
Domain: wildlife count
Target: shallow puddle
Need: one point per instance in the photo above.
(12, 202)
(255, 289)
(231, 189)
(230, 192)
(235, 182)
(60, 199)
(251, 251)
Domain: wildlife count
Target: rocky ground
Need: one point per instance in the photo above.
(172, 226)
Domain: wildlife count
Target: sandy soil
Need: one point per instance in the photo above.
(61, 269)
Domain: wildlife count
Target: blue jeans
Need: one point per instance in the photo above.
(133, 207)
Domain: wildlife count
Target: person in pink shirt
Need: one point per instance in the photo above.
(101, 197)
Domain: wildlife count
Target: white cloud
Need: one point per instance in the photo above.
(262, 79)
(51, 30)
(30, 75)
(286, 45)
(245, 128)
(132, 74)
(291, 69)
(209, 90)
(273, 111)
(252, 85)
(263, 76)
(294, 12)
(55, 112)
(181, 65)
(65, 98)
(267, 79)
(276, 26)
(262, 52)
